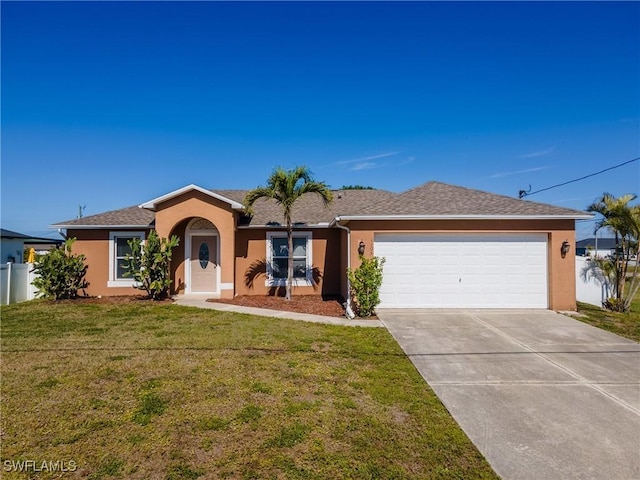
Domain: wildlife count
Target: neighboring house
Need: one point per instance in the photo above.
(14, 245)
(600, 247)
(445, 246)
(41, 245)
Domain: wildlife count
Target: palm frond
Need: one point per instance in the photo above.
(285, 187)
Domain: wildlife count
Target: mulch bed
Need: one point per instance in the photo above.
(329, 306)
(313, 304)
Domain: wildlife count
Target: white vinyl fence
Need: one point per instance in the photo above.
(591, 284)
(15, 283)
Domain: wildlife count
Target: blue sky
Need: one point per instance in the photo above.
(110, 104)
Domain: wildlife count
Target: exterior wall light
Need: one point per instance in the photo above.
(564, 249)
(361, 247)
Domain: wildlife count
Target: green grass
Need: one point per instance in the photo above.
(624, 324)
(161, 391)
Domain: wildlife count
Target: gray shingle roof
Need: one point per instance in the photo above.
(11, 234)
(441, 199)
(124, 217)
(603, 243)
(310, 209)
(430, 199)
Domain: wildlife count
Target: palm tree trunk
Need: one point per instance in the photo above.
(289, 261)
(619, 273)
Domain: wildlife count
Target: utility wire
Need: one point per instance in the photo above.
(524, 193)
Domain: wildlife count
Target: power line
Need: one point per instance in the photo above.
(524, 193)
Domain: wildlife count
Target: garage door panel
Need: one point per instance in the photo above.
(463, 271)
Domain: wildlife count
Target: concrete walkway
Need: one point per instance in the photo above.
(200, 302)
(541, 395)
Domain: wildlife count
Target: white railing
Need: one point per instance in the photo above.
(592, 286)
(16, 283)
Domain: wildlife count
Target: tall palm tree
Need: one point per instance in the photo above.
(624, 221)
(285, 187)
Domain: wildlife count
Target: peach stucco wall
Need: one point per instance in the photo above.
(561, 271)
(94, 245)
(251, 251)
(242, 250)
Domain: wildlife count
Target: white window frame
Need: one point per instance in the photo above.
(281, 282)
(113, 281)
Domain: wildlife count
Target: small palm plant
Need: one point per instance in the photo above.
(623, 219)
(285, 187)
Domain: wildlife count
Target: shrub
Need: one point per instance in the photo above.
(148, 264)
(61, 273)
(365, 285)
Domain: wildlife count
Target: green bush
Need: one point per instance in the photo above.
(61, 273)
(365, 285)
(148, 264)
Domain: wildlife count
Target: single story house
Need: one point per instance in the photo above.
(445, 246)
(600, 247)
(14, 244)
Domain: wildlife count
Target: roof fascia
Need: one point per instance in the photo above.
(278, 227)
(347, 218)
(151, 204)
(98, 227)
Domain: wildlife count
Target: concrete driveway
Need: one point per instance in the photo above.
(542, 396)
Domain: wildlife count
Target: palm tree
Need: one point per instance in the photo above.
(285, 187)
(624, 221)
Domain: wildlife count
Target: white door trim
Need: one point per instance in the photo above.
(189, 234)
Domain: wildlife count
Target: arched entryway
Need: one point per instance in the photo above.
(202, 257)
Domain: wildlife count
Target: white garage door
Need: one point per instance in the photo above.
(463, 271)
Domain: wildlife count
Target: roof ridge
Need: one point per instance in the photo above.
(476, 190)
(422, 185)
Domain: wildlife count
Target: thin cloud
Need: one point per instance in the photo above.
(370, 165)
(363, 166)
(540, 153)
(366, 159)
(517, 172)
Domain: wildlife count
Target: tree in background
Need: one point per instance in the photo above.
(623, 219)
(285, 187)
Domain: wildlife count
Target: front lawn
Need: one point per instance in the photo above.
(624, 324)
(161, 391)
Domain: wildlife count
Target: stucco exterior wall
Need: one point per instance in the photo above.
(178, 272)
(561, 271)
(170, 217)
(94, 244)
(243, 251)
(251, 252)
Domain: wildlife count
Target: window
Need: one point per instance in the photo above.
(278, 261)
(118, 250)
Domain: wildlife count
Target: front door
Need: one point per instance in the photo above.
(204, 264)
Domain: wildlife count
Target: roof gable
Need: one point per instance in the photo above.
(152, 204)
